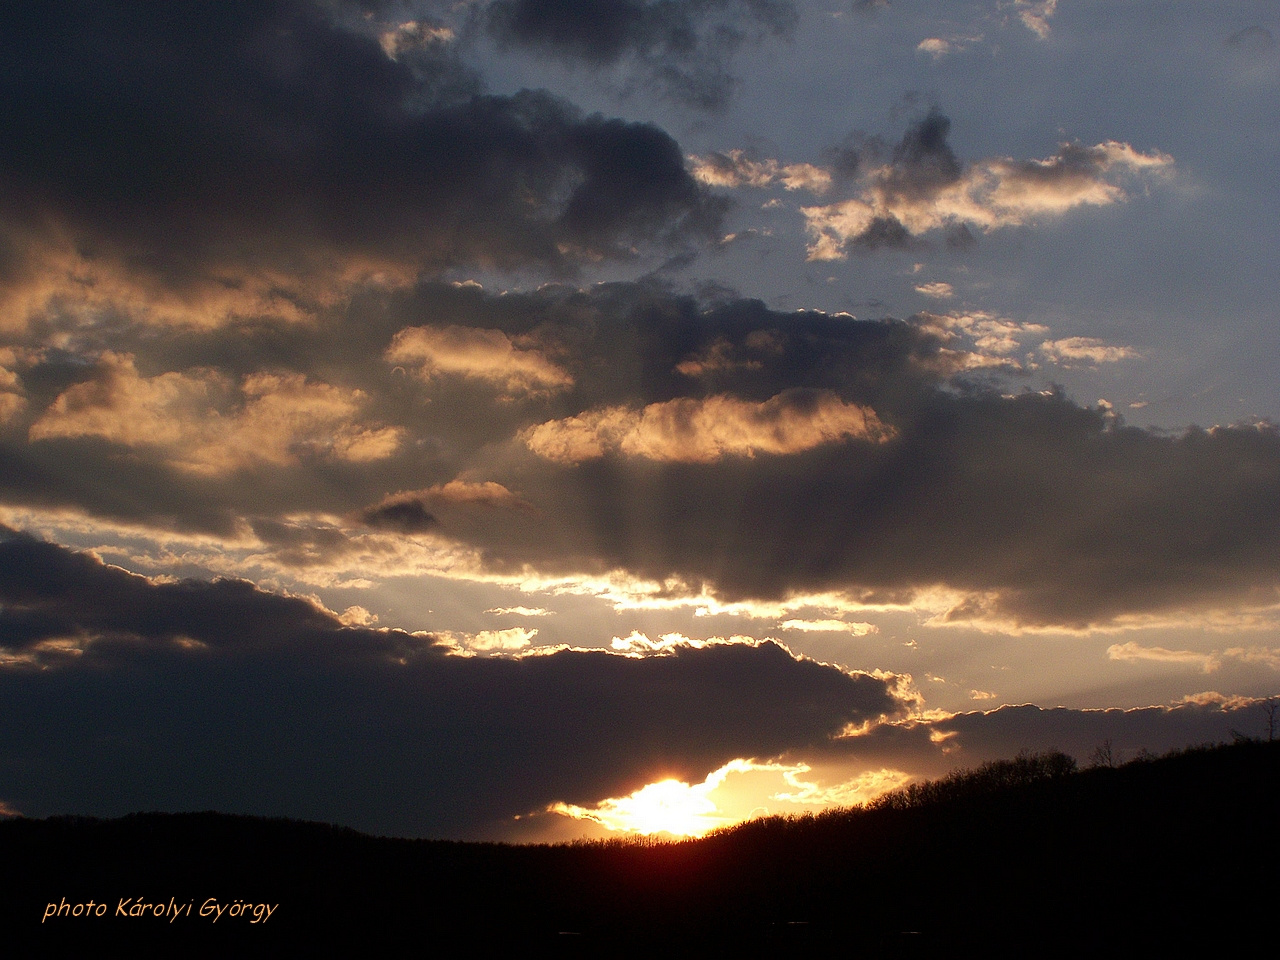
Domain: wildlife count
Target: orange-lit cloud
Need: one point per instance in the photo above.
(12, 402)
(513, 367)
(201, 422)
(991, 194)
(509, 640)
(1035, 15)
(1087, 349)
(733, 169)
(411, 35)
(55, 276)
(703, 431)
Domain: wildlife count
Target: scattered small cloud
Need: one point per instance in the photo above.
(520, 612)
(938, 290)
(1132, 651)
(925, 188)
(734, 169)
(1086, 349)
(829, 626)
(1035, 15)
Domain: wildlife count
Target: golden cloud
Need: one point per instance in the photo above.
(691, 430)
(200, 422)
(489, 355)
(733, 169)
(1087, 349)
(990, 194)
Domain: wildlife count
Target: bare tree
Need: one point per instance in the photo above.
(1104, 755)
(1271, 706)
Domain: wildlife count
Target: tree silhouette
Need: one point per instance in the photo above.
(1104, 755)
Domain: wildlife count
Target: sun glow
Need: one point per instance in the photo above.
(757, 789)
(668, 806)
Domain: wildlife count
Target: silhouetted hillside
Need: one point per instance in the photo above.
(1023, 857)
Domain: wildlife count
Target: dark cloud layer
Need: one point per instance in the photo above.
(123, 694)
(189, 141)
(880, 467)
(931, 748)
(683, 46)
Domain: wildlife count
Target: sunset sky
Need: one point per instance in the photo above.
(522, 419)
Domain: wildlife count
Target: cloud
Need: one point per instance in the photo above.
(413, 35)
(683, 50)
(1208, 662)
(939, 47)
(996, 339)
(1035, 15)
(938, 290)
(260, 158)
(122, 693)
(480, 354)
(733, 170)
(992, 335)
(930, 748)
(1132, 651)
(853, 767)
(490, 641)
(1088, 349)
(702, 431)
(935, 46)
(707, 454)
(830, 626)
(202, 424)
(415, 511)
(925, 188)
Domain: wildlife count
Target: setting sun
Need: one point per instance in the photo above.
(668, 806)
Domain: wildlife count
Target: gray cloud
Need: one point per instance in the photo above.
(122, 694)
(933, 747)
(684, 48)
(231, 150)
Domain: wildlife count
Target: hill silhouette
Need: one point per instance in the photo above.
(1025, 857)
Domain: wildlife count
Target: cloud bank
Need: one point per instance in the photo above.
(122, 693)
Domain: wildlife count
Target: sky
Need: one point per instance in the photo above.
(532, 419)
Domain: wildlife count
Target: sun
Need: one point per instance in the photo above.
(667, 806)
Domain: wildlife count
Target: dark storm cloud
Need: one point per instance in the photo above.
(1044, 512)
(409, 515)
(190, 141)
(194, 695)
(931, 748)
(684, 46)
(923, 161)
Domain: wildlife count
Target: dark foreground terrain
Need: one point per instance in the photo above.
(1018, 858)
